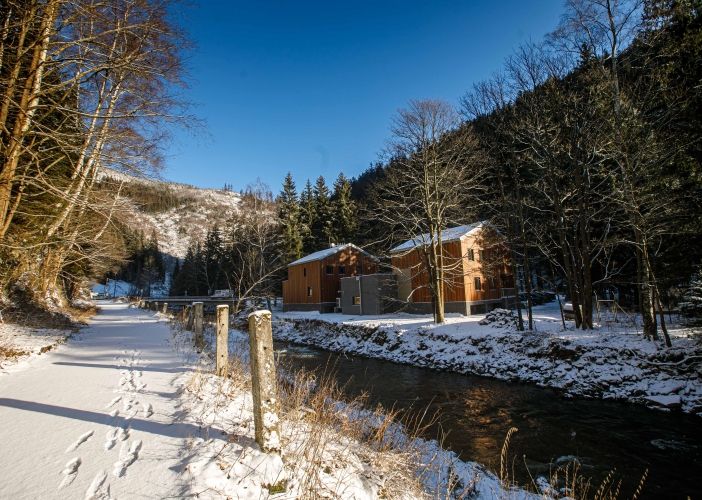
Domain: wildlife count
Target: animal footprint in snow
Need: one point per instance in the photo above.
(114, 401)
(97, 489)
(148, 410)
(111, 438)
(127, 455)
(70, 471)
(79, 441)
(123, 430)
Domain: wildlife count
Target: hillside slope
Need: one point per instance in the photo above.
(178, 213)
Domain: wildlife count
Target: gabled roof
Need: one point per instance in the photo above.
(323, 254)
(450, 234)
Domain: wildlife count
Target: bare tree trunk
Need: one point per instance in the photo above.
(26, 111)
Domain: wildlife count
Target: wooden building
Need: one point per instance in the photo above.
(313, 282)
(475, 272)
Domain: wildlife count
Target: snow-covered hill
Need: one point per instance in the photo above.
(192, 211)
(177, 227)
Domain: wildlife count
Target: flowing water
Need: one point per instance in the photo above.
(477, 412)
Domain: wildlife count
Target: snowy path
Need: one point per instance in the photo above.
(99, 418)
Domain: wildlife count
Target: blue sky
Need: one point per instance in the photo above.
(310, 86)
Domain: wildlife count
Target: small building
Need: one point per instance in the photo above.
(475, 272)
(314, 281)
(369, 294)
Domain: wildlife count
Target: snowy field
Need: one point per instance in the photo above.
(613, 361)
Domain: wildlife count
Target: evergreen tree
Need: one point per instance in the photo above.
(344, 211)
(175, 275)
(691, 304)
(308, 215)
(289, 221)
(212, 260)
(323, 223)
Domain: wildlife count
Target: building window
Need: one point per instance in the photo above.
(330, 269)
(304, 271)
(357, 301)
(471, 254)
(477, 284)
(359, 270)
(309, 291)
(481, 255)
(492, 283)
(342, 270)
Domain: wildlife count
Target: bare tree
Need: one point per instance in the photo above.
(254, 262)
(434, 182)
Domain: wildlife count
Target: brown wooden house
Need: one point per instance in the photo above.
(313, 282)
(475, 272)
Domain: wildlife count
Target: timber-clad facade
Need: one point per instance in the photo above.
(475, 273)
(313, 282)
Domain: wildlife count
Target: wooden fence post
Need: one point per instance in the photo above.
(263, 382)
(197, 324)
(222, 340)
(155, 306)
(189, 323)
(165, 307)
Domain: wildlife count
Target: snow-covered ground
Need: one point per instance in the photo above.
(114, 288)
(19, 343)
(98, 417)
(613, 361)
(122, 410)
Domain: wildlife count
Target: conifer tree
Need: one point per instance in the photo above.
(691, 304)
(213, 256)
(308, 214)
(344, 210)
(323, 223)
(289, 221)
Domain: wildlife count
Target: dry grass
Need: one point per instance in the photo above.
(329, 437)
(565, 482)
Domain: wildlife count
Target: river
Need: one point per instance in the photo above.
(477, 412)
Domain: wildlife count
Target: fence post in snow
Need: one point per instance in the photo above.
(222, 340)
(263, 383)
(197, 324)
(189, 323)
(155, 306)
(165, 307)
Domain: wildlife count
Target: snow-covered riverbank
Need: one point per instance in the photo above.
(611, 362)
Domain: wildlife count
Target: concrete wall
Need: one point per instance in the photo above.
(378, 294)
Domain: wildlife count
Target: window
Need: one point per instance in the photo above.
(357, 301)
(477, 284)
(359, 270)
(330, 269)
(304, 271)
(342, 270)
(309, 291)
(471, 254)
(492, 283)
(481, 255)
